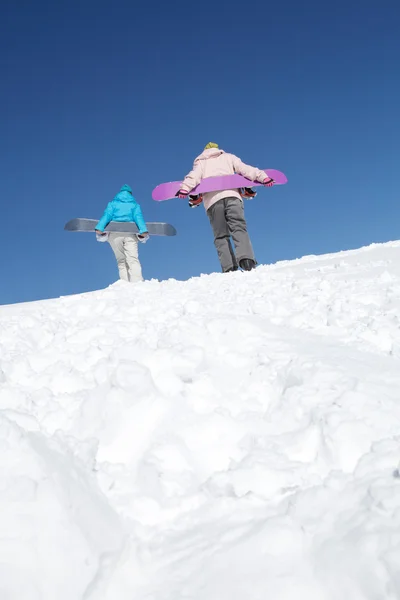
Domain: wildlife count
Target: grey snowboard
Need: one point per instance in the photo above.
(89, 225)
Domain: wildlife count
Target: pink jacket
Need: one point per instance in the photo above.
(215, 162)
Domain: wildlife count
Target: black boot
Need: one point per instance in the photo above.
(247, 264)
(231, 269)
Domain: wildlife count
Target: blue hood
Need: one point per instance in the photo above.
(125, 194)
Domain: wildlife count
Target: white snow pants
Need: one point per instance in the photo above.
(125, 248)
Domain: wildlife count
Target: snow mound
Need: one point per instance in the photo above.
(230, 437)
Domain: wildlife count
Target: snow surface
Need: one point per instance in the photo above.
(233, 437)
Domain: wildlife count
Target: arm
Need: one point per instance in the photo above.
(139, 219)
(193, 178)
(106, 218)
(251, 173)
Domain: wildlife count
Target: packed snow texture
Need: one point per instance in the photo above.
(233, 437)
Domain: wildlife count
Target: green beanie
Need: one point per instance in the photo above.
(211, 145)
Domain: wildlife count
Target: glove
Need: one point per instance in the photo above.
(268, 182)
(143, 237)
(102, 237)
(181, 194)
(195, 201)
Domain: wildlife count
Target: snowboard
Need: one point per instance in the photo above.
(165, 191)
(163, 229)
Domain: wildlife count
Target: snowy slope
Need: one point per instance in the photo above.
(233, 437)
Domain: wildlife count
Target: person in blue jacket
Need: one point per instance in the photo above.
(124, 208)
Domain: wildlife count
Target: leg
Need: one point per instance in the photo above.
(116, 241)
(226, 255)
(132, 258)
(233, 256)
(238, 229)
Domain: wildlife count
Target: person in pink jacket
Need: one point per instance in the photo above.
(225, 209)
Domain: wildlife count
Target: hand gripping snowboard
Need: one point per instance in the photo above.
(165, 191)
(162, 229)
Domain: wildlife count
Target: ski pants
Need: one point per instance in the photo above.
(227, 220)
(125, 248)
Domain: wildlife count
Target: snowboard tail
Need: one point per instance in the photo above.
(166, 191)
(86, 225)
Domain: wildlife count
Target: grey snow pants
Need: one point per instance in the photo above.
(227, 220)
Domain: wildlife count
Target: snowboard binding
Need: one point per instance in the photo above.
(247, 192)
(195, 201)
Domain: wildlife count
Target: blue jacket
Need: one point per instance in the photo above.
(123, 208)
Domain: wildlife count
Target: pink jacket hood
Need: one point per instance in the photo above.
(210, 153)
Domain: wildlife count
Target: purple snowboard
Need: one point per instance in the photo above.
(165, 191)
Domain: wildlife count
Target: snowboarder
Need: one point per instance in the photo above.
(224, 209)
(124, 208)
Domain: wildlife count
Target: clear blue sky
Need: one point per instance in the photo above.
(98, 94)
